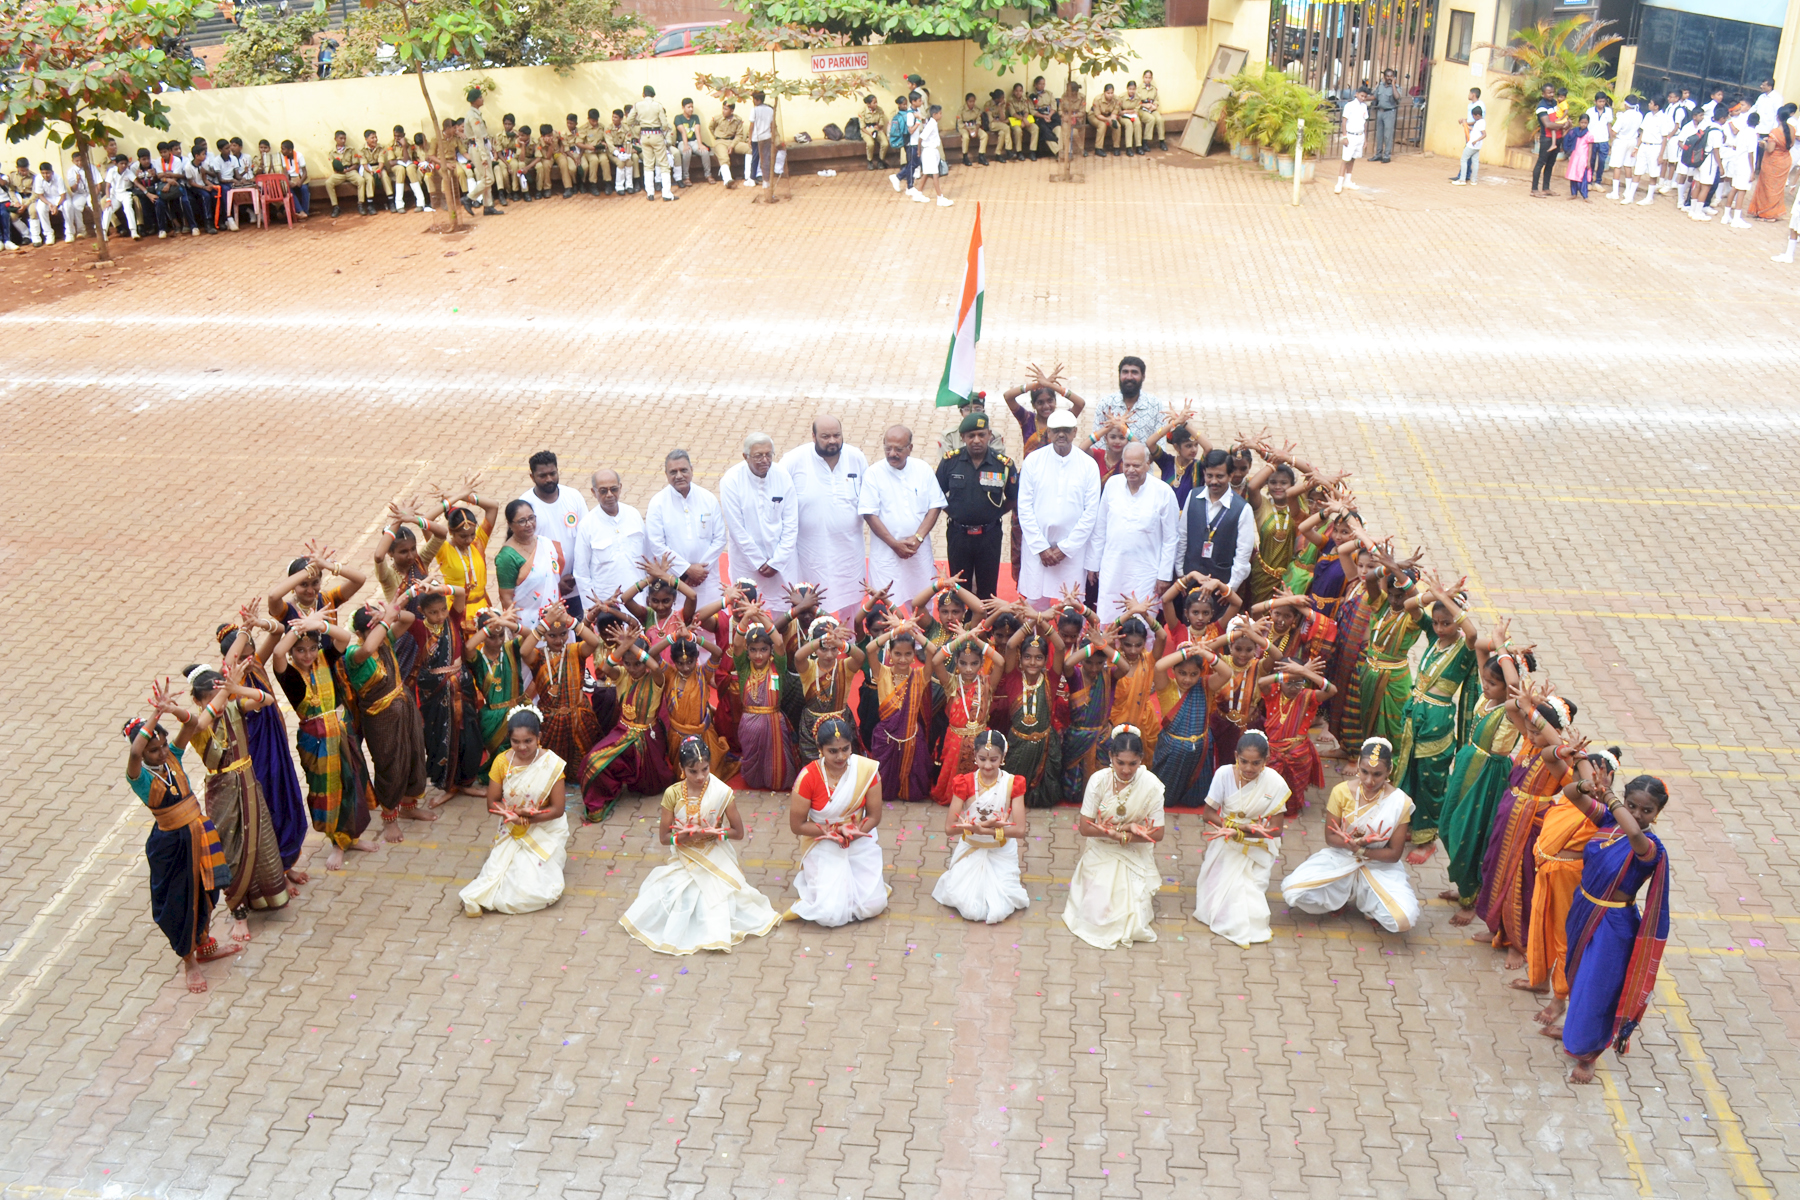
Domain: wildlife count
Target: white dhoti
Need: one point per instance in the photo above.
(1059, 503)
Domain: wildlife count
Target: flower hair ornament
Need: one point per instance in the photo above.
(527, 707)
(199, 670)
(822, 626)
(1606, 756)
(1118, 729)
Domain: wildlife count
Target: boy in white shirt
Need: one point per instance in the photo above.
(1706, 171)
(77, 196)
(1600, 122)
(1738, 162)
(1626, 125)
(1356, 125)
(46, 198)
(931, 157)
(1657, 127)
(118, 196)
(1476, 134)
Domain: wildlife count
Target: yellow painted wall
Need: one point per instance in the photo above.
(308, 113)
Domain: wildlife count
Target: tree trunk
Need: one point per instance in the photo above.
(83, 148)
(446, 172)
(1066, 151)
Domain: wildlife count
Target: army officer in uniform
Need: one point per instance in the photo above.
(980, 487)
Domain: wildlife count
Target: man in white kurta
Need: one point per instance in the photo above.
(828, 478)
(762, 522)
(609, 542)
(685, 522)
(1059, 504)
(1134, 540)
(901, 501)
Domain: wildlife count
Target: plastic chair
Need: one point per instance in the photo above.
(275, 193)
(252, 196)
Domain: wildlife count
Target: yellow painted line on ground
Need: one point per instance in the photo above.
(1622, 1129)
(1449, 514)
(1731, 1129)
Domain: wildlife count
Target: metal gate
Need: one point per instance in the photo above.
(1336, 47)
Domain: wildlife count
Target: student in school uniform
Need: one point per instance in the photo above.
(1655, 131)
(1623, 159)
(1737, 158)
(1356, 125)
(1475, 133)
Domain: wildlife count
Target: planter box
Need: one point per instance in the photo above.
(1285, 165)
(1268, 158)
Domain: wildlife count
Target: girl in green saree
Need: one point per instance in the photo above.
(1384, 677)
(492, 653)
(1436, 713)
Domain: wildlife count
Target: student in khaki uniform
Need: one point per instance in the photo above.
(478, 144)
(993, 115)
(574, 153)
(974, 137)
(506, 160)
(451, 151)
(1072, 111)
(596, 163)
(424, 166)
(1131, 122)
(874, 121)
(618, 149)
(690, 145)
(1104, 117)
(1018, 116)
(550, 154)
(1043, 114)
(396, 163)
(728, 134)
(653, 128)
(524, 163)
(1150, 107)
(342, 161)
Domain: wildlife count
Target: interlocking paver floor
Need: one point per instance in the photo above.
(1588, 409)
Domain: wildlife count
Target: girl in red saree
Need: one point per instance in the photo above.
(1290, 700)
(968, 695)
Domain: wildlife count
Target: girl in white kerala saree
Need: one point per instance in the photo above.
(524, 870)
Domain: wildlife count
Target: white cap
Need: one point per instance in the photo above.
(1062, 418)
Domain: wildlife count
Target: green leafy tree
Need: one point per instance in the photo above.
(72, 65)
(1085, 45)
(278, 51)
(562, 33)
(824, 88)
(1563, 54)
(737, 37)
(429, 35)
(894, 20)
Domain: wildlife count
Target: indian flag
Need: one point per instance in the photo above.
(959, 364)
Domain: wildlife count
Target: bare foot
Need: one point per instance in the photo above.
(390, 830)
(1376, 925)
(292, 891)
(240, 932)
(335, 860)
(472, 789)
(1515, 959)
(1583, 1072)
(1450, 894)
(1524, 985)
(1552, 1031)
(1422, 855)
(366, 847)
(1547, 1014)
(214, 951)
(442, 798)
(196, 982)
(296, 876)
(412, 812)
(1463, 916)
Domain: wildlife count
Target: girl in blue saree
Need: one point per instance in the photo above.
(1614, 947)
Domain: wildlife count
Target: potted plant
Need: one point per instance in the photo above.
(1299, 103)
(1250, 91)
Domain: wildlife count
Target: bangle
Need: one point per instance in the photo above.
(1000, 833)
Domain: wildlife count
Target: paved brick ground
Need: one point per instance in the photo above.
(1589, 409)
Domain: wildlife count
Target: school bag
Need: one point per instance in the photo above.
(897, 130)
(1693, 151)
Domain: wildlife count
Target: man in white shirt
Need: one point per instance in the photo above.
(609, 543)
(1218, 530)
(46, 198)
(762, 522)
(1356, 125)
(828, 478)
(1768, 102)
(762, 137)
(901, 501)
(1133, 548)
(686, 523)
(78, 197)
(1711, 169)
(1475, 137)
(559, 511)
(1059, 504)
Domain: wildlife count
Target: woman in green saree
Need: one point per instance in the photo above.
(1435, 718)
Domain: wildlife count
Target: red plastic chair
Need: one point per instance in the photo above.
(275, 194)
